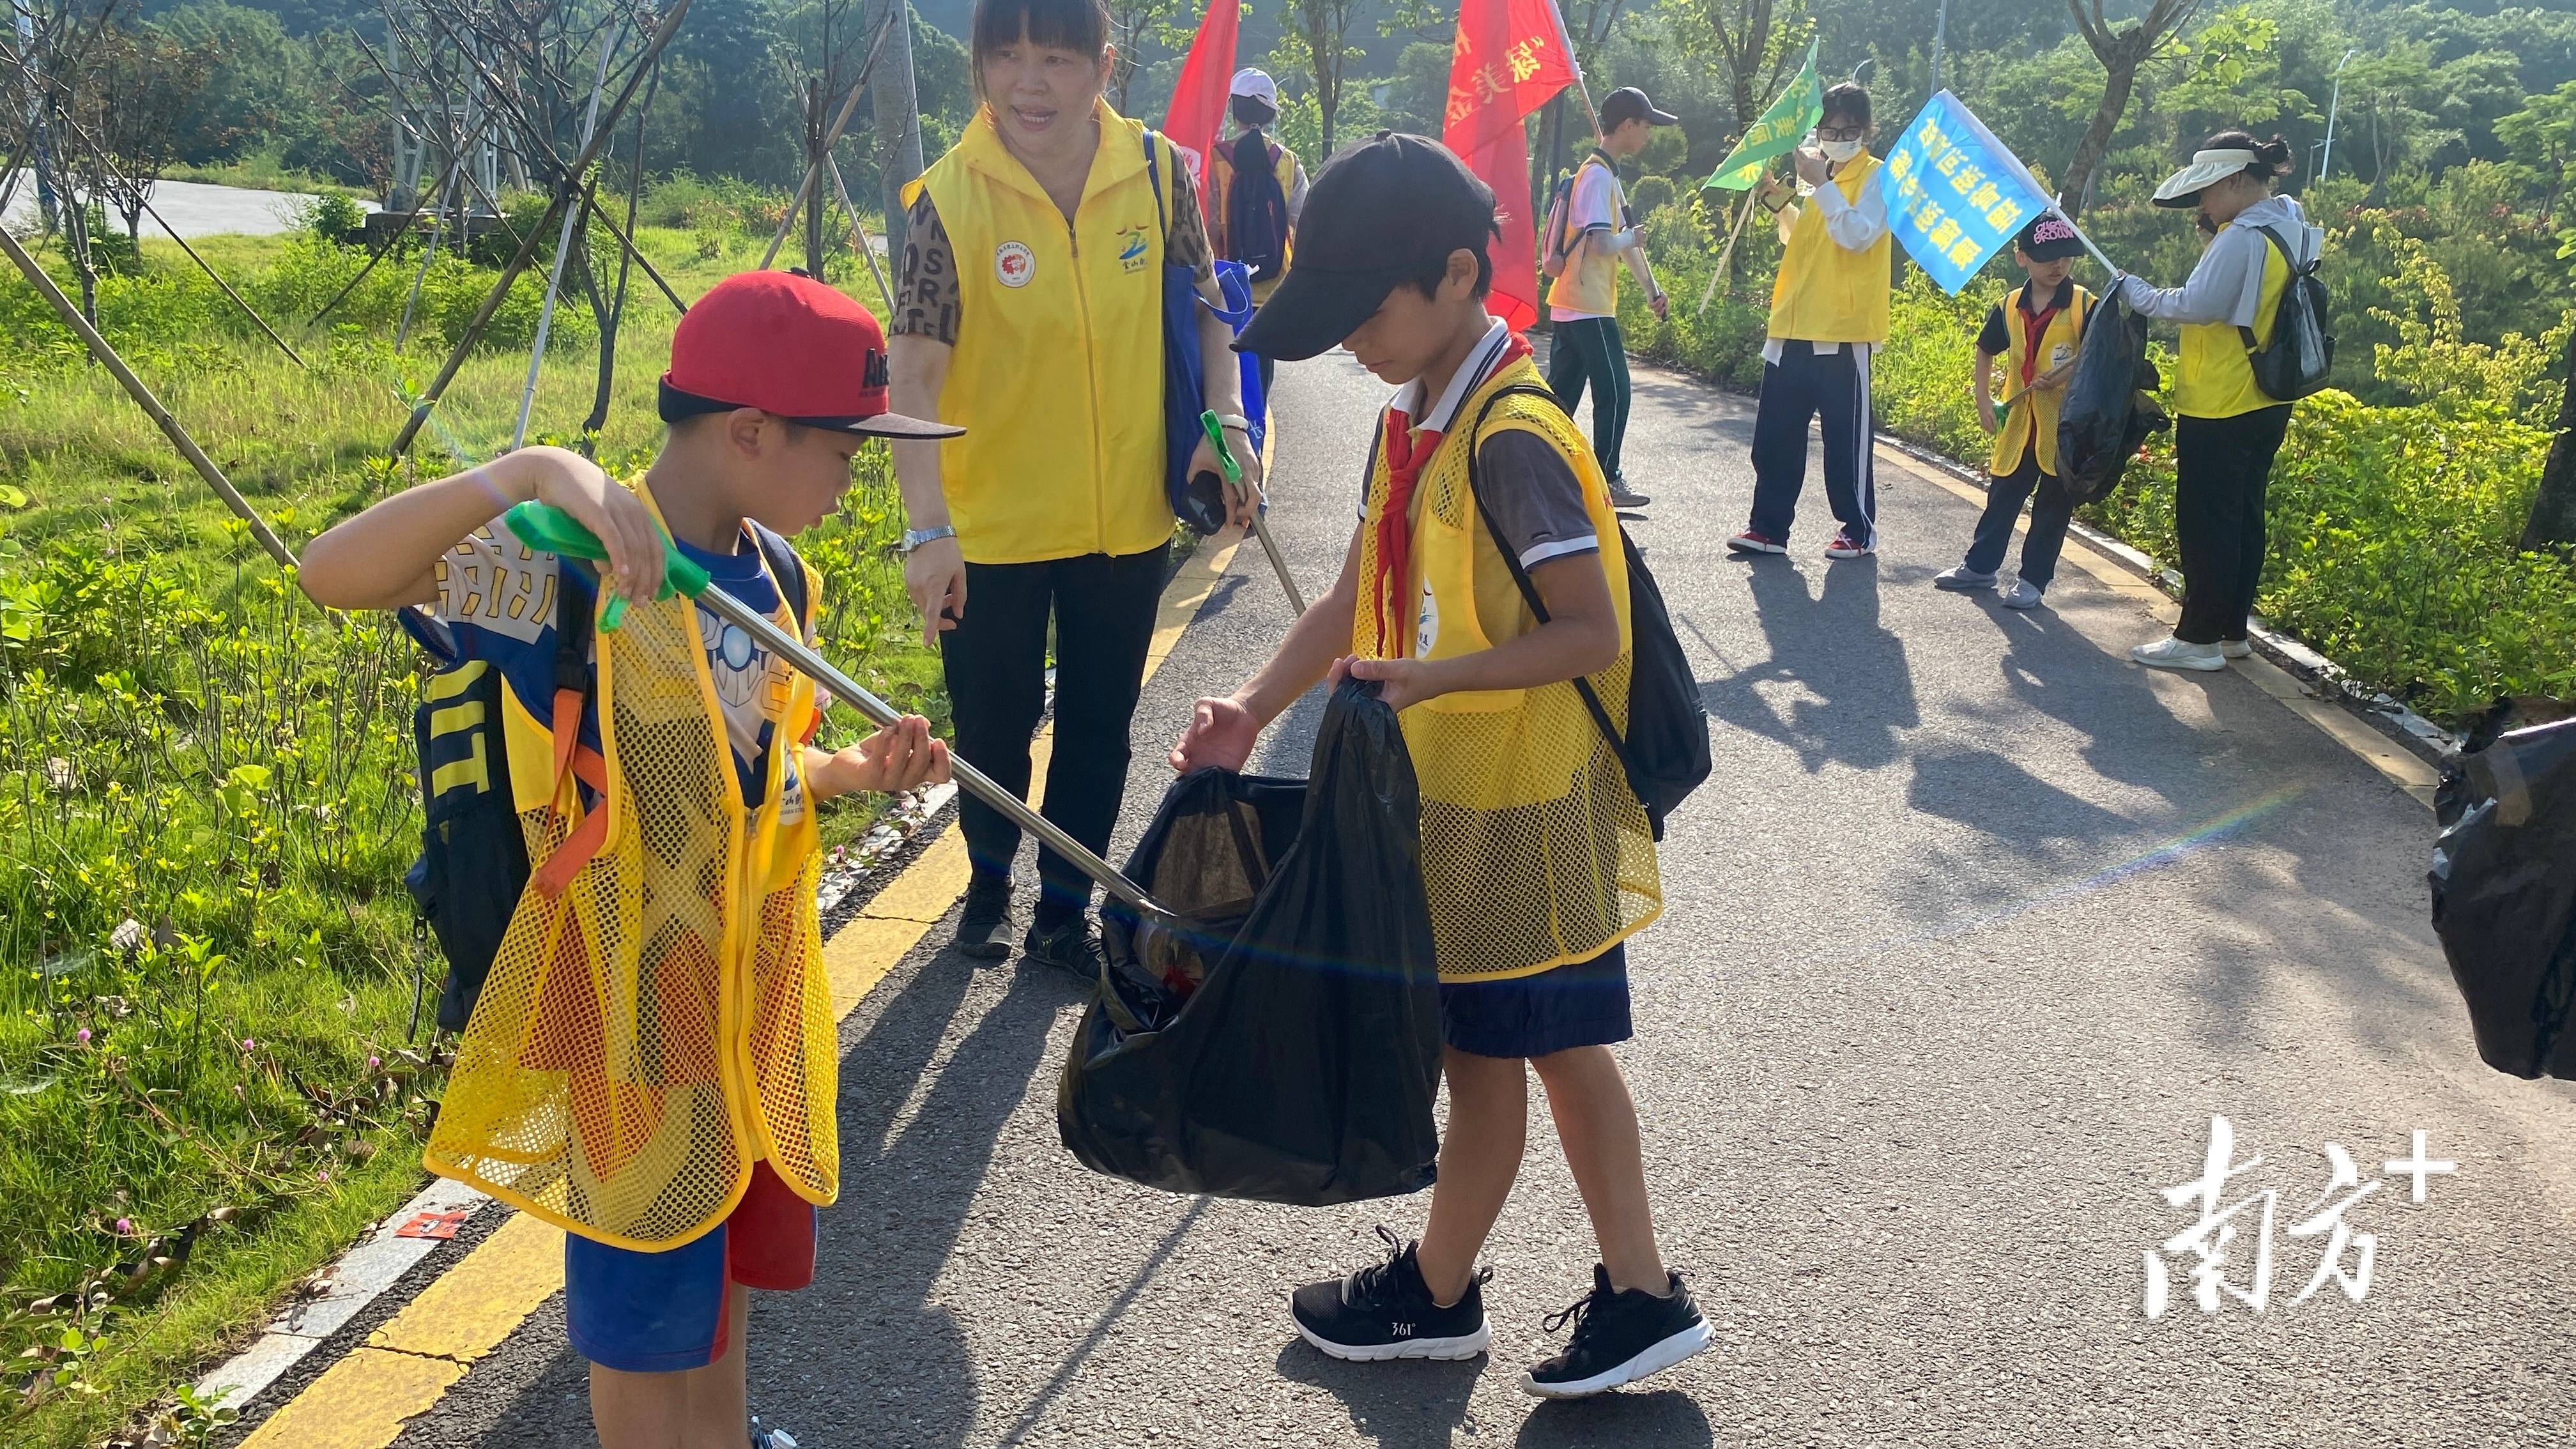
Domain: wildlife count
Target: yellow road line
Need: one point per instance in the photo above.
(364, 1400)
(2399, 767)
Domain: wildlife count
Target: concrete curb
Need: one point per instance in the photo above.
(2384, 713)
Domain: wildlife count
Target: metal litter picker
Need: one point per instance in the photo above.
(551, 530)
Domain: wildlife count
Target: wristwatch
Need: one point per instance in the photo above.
(914, 538)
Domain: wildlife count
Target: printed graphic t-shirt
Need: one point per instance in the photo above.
(497, 597)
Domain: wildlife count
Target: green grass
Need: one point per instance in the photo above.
(205, 792)
(261, 171)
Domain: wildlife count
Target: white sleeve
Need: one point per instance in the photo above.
(1297, 197)
(1854, 225)
(2214, 290)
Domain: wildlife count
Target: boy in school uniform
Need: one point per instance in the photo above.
(651, 1064)
(1828, 315)
(1583, 302)
(2036, 341)
(1536, 857)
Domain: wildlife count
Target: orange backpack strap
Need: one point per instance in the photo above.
(574, 679)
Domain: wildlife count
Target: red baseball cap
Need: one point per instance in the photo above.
(785, 343)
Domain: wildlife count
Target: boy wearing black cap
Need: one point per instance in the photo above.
(644, 1066)
(1537, 860)
(2037, 344)
(1583, 302)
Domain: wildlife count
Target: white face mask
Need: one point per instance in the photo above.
(1839, 152)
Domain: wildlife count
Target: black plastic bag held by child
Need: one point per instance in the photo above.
(2108, 413)
(2504, 897)
(1284, 1046)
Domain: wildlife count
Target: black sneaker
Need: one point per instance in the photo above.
(1619, 1338)
(983, 928)
(1385, 1312)
(1071, 948)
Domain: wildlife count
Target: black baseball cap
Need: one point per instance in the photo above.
(1628, 104)
(1384, 211)
(2048, 237)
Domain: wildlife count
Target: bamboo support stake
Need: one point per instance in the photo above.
(563, 247)
(814, 167)
(564, 192)
(142, 395)
(860, 230)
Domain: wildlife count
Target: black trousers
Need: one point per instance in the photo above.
(1103, 608)
(2222, 468)
(1590, 349)
(1832, 388)
(2050, 513)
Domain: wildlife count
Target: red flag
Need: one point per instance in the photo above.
(1198, 100)
(1510, 59)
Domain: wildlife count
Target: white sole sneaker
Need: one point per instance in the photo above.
(1445, 1349)
(2236, 648)
(2157, 656)
(1656, 1358)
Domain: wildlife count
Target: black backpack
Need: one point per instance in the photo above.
(1665, 751)
(2301, 353)
(1256, 216)
(473, 863)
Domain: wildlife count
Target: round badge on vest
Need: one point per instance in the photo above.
(1014, 263)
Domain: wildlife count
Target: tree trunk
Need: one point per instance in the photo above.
(2120, 76)
(2553, 509)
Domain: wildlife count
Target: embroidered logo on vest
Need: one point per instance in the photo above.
(1014, 263)
(1131, 247)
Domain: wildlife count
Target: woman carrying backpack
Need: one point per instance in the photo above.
(1257, 191)
(2228, 429)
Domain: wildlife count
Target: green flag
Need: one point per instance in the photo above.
(1792, 116)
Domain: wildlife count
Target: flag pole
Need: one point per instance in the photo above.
(1752, 196)
(1574, 62)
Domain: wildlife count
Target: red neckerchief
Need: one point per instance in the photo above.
(2034, 327)
(1407, 452)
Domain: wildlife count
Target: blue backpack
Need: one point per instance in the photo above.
(1200, 501)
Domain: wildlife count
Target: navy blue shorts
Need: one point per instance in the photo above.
(649, 1313)
(1583, 1003)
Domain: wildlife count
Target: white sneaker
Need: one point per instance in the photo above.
(2172, 653)
(2236, 648)
(1961, 579)
(2022, 595)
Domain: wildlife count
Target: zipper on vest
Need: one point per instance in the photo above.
(1091, 386)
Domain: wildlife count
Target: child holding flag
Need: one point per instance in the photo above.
(1536, 857)
(2037, 344)
(1828, 311)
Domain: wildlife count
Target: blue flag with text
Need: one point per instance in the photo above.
(1955, 196)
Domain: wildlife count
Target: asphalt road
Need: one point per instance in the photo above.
(1972, 931)
(196, 209)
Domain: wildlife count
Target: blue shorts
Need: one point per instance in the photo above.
(653, 1313)
(1583, 1003)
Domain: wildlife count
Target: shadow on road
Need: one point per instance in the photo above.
(1837, 686)
(1400, 1405)
(1663, 1420)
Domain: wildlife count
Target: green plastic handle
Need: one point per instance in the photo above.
(548, 529)
(1224, 454)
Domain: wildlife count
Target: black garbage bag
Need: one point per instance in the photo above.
(2108, 412)
(2504, 896)
(1285, 1045)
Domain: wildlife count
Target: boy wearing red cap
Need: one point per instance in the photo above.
(650, 1062)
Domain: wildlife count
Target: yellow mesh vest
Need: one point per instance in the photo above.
(663, 1023)
(1823, 292)
(2216, 375)
(1535, 852)
(1057, 375)
(2036, 408)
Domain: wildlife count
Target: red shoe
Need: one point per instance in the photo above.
(1845, 546)
(1751, 542)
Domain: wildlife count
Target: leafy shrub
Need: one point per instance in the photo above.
(334, 218)
(1650, 193)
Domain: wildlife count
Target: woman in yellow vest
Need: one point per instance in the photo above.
(1030, 311)
(2035, 333)
(2226, 432)
(1828, 311)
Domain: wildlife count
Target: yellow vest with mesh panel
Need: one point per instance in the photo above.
(662, 1023)
(2030, 415)
(1824, 291)
(1535, 852)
